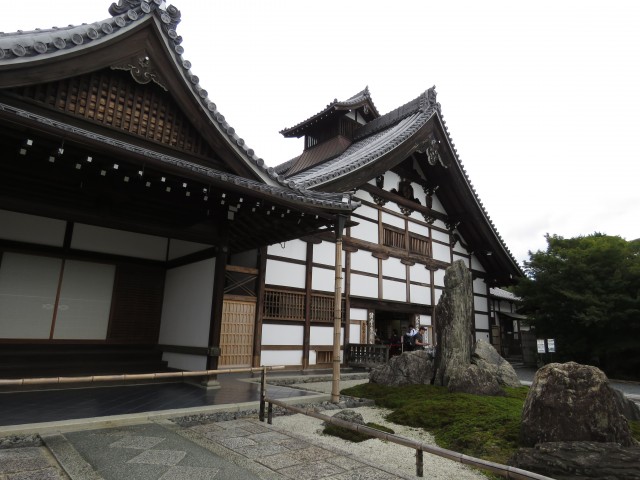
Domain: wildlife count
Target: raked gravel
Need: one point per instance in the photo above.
(395, 457)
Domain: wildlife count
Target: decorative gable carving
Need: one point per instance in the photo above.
(142, 70)
(405, 190)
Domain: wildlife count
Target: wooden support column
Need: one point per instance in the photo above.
(337, 311)
(257, 331)
(306, 336)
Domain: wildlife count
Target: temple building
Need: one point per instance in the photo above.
(139, 232)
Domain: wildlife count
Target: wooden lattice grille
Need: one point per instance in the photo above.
(236, 334)
(112, 98)
(419, 244)
(287, 305)
(393, 238)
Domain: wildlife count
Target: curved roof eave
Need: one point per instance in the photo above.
(21, 49)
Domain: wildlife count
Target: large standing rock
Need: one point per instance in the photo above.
(580, 460)
(410, 368)
(627, 407)
(474, 380)
(486, 357)
(454, 317)
(572, 402)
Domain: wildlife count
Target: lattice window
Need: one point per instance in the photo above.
(419, 244)
(283, 305)
(393, 237)
(324, 357)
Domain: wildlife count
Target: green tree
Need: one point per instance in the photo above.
(585, 293)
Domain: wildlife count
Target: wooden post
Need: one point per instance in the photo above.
(419, 463)
(337, 311)
(263, 392)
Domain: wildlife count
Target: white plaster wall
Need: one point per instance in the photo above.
(393, 206)
(324, 279)
(438, 294)
(20, 227)
(363, 195)
(180, 248)
(325, 253)
(441, 252)
(281, 357)
(438, 277)
(365, 230)
(367, 212)
(285, 274)
(418, 273)
(323, 335)
(363, 261)
(425, 320)
(362, 286)
(420, 294)
(480, 303)
(393, 220)
(439, 224)
(183, 361)
(393, 267)
(479, 286)
(354, 332)
(296, 249)
(475, 264)
(186, 306)
(437, 205)
(118, 242)
(358, 314)
(419, 229)
(418, 192)
(282, 334)
(441, 236)
(392, 290)
(482, 321)
(458, 246)
(391, 180)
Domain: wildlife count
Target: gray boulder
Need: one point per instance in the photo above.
(580, 460)
(570, 402)
(350, 416)
(454, 318)
(474, 380)
(627, 407)
(410, 368)
(486, 357)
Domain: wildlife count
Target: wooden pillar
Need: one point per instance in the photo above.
(257, 331)
(306, 335)
(337, 311)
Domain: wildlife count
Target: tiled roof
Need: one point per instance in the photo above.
(504, 294)
(33, 46)
(362, 98)
(320, 153)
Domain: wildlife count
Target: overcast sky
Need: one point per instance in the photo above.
(542, 99)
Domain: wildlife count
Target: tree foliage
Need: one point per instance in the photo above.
(585, 293)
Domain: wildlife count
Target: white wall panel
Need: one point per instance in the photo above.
(296, 249)
(118, 242)
(323, 336)
(425, 320)
(418, 273)
(363, 261)
(28, 287)
(392, 290)
(482, 336)
(20, 227)
(393, 220)
(85, 301)
(367, 212)
(420, 294)
(186, 307)
(182, 361)
(282, 334)
(365, 230)
(419, 229)
(393, 206)
(438, 294)
(325, 253)
(362, 195)
(285, 274)
(475, 264)
(281, 357)
(354, 332)
(482, 321)
(391, 180)
(458, 246)
(439, 224)
(393, 267)
(440, 236)
(438, 277)
(480, 303)
(180, 248)
(441, 252)
(437, 205)
(358, 314)
(479, 286)
(324, 279)
(362, 286)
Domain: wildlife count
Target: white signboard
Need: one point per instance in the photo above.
(551, 345)
(541, 348)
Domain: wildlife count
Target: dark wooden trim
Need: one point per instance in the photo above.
(240, 269)
(397, 199)
(308, 279)
(282, 347)
(205, 254)
(57, 300)
(257, 331)
(347, 300)
(187, 350)
(240, 298)
(215, 324)
(349, 248)
(286, 259)
(404, 307)
(380, 255)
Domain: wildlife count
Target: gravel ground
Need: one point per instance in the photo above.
(396, 457)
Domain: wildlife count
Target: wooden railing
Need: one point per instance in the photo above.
(367, 355)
